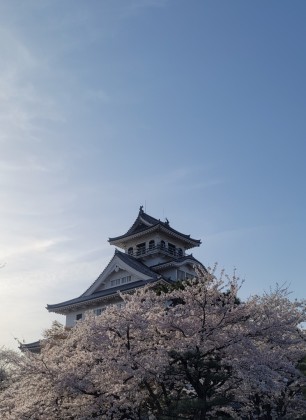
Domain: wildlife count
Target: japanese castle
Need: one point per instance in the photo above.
(150, 252)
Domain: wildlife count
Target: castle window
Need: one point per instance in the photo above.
(126, 279)
(162, 244)
(130, 251)
(171, 248)
(98, 311)
(180, 252)
(79, 317)
(115, 282)
(123, 280)
(180, 275)
(152, 244)
(141, 248)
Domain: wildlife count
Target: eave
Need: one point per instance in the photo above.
(178, 263)
(121, 241)
(34, 347)
(82, 302)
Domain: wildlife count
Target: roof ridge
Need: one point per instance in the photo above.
(150, 222)
(123, 256)
(145, 269)
(95, 281)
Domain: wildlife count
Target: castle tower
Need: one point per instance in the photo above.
(152, 252)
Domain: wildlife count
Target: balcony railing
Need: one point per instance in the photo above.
(152, 249)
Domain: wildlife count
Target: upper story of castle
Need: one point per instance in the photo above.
(153, 241)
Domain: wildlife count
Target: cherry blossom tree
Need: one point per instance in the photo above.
(190, 352)
(7, 364)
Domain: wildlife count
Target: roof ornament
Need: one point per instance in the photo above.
(141, 210)
(167, 222)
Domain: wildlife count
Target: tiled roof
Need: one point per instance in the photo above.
(99, 295)
(142, 222)
(136, 264)
(131, 262)
(145, 222)
(176, 262)
(32, 347)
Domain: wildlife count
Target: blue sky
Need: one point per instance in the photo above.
(195, 109)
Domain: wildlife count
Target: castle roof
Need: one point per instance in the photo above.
(147, 275)
(146, 224)
(97, 297)
(130, 261)
(94, 294)
(33, 347)
(177, 263)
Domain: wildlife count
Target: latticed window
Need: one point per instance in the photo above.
(141, 248)
(123, 280)
(171, 248)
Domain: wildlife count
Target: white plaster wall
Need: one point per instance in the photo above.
(71, 319)
(172, 272)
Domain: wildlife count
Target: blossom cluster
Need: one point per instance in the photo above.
(194, 351)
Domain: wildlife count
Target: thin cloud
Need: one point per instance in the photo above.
(22, 104)
(31, 246)
(30, 166)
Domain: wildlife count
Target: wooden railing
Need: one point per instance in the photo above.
(175, 252)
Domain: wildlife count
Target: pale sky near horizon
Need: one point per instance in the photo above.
(195, 109)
